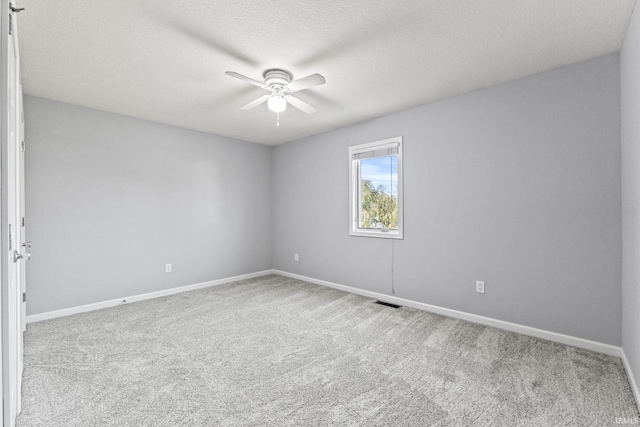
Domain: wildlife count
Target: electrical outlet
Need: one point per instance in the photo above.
(167, 268)
(480, 286)
(295, 257)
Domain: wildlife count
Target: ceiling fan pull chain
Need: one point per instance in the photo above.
(277, 119)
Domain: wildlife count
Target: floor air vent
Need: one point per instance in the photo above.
(388, 304)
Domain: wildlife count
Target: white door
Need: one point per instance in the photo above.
(21, 244)
(26, 246)
(12, 292)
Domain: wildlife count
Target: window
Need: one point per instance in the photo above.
(375, 190)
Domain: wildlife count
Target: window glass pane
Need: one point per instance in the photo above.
(378, 193)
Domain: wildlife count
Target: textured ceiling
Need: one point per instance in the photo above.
(165, 60)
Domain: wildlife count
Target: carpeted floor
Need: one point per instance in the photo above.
(274, 351)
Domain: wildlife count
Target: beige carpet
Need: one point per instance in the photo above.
(274, 351)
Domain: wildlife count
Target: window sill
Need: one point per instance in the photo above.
(377, 234)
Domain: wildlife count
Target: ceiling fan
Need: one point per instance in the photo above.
(279, 83)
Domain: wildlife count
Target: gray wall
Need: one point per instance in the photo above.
(111, 200)
(630, 100)
(517, 185)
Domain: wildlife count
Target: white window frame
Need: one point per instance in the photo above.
(354, 184)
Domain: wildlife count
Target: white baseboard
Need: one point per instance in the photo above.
(125, 300)
(514, 327)
(632, 378)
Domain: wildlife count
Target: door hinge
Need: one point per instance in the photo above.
(24, 297)
(12, 8)
(23, 221)
(24, 146)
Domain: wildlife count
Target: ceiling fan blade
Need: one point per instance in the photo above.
(300, 104)
(306, 82)
(247, 79)
(255, 102)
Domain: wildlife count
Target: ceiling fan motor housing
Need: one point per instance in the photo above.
(277, 77)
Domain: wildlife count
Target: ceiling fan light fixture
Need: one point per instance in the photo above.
(279, 83)
(277, 103)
